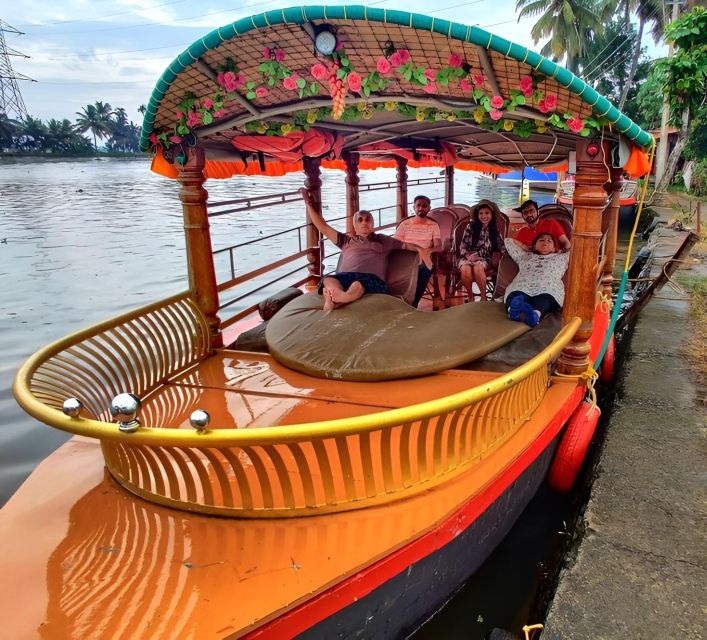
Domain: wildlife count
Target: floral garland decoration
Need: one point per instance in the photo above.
(338, 72)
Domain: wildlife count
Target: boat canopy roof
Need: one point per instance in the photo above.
(259, 96)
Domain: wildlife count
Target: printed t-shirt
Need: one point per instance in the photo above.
(527, 234)
(538, 274)
(418, 231)
(366, 255)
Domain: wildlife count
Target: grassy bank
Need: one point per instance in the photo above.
(694, 280)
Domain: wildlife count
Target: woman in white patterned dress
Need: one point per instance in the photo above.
(538, 288)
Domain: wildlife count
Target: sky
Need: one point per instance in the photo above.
(81, 51)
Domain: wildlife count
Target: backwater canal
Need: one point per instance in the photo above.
(84, 240)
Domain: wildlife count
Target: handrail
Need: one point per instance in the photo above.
(259, 435)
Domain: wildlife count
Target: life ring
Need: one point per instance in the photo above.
(606, 372)
(573, 447)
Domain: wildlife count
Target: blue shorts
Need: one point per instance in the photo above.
(371, 283)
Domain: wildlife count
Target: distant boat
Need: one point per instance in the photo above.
(535, 178)
(627, 203)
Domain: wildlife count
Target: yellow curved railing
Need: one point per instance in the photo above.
(266, 471)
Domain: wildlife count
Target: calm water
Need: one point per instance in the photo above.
(84, 240)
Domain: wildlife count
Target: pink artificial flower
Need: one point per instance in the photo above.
(261, 92)
(496, 114)
(229, 79)
(383, 65)
(430, 74)
(575, 124)
(267, 53)
(497, 102)
(175, 139)
(542, 106)
(153, 138)
(240, 79)
(478, 79)
(193, 119)
(207, 103)
(526, 83)
(219, 113)
(339, 44)
(551, 101)
(430, 87)
(179, 114)
(455, 60)
(528, 93)
(219, 78)
(465, 84)
(354, 80)
(395, 60)
(290, 82)
(319, 72)
(279, 55)
(404, 55)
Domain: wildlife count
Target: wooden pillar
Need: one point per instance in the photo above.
(401, 211)
(580, 299)
(200, 260)
(352, 195)
(448, 185)
(313, 183)
(610, 227)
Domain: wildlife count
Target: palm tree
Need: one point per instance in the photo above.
(96, 118)
(142, 109)
(648, 12)
(33, 133)
(9, 130)
(60, 134)
(567, 23)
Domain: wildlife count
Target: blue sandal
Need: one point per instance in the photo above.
(531, 318)
(515, 308)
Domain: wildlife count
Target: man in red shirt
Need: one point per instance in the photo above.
(534, 227)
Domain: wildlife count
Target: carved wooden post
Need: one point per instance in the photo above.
(401, 211)
(352, 195)
(313, 183)
(200, 262)
(610, 227)
(589, 202)
(449, 185)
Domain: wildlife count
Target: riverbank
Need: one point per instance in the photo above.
(640, 571)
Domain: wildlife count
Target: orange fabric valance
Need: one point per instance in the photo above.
(638, 163)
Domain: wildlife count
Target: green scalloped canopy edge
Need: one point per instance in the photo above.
(462, 32)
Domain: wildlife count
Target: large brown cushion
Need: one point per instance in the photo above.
(380, 337)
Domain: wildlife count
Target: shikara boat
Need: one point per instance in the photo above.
(628, 199)
(345, 479)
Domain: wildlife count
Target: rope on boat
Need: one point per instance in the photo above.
(531, 627)
(624, 275)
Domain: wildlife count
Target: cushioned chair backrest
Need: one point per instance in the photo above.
(401, 275)
(507, 270)
(559, 213)
(462, 210)
(446, 219)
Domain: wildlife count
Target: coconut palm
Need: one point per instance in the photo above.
(9, 130)
(60, 135)
(33, 133)
(648, 12)
(96, 118)
(567, 23)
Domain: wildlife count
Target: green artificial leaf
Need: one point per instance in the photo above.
(478, 94)
(207, 118)
(271, 81)
(250, 95)
(250, 85)
(182, 130)
(520, 100)
(301, 83)
(340, 74)
(314, 88)
(584, 132)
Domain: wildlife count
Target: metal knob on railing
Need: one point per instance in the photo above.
(72, 407)
(199, 419)
(124, 408)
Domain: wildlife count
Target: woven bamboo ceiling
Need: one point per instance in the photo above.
(496, 103)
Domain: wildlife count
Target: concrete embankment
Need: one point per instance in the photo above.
(640, 570)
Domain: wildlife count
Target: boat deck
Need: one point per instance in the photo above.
(253, 390)
(94, 560)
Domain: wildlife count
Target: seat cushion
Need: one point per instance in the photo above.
(380, 337)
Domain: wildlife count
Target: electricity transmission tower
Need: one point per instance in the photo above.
(11, 103)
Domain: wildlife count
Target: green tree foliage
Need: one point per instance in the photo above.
(9, 130)
(685, 81)
(648, 104)
(96, 118)
(569, 25)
